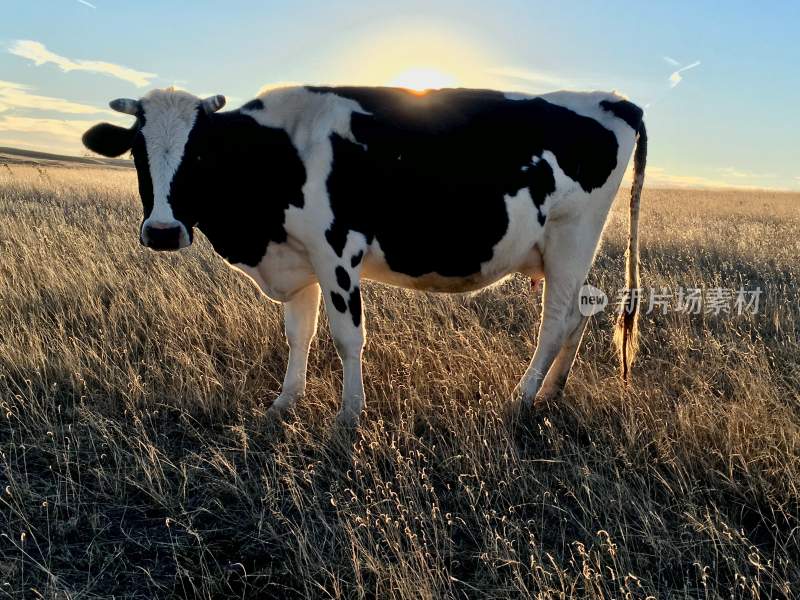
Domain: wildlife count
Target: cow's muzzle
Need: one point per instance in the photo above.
(165, 236)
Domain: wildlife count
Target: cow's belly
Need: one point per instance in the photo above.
(516, 250)
(377, 270)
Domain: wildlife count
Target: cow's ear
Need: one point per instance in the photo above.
(109, 140)
(213, 103)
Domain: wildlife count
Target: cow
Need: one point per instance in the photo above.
(309, 190)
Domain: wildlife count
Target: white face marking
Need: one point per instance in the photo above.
(169, 117)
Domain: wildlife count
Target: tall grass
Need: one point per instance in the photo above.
(138, 461)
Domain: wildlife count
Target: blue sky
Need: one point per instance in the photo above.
(730, 120)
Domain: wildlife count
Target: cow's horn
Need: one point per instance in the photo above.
(213, 103)
(125, 105)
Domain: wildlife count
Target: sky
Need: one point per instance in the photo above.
(718, 81)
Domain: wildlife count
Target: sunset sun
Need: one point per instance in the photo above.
(423, 78)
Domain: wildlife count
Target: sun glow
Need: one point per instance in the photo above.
(415, 55)
(424, 78)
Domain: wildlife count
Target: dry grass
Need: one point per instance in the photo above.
(137, 460)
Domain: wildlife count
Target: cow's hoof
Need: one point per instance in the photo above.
(517, 407)
(521, 405)
(525, 403)
(517, 400)
(547, 396)
(514, 408)
(545, 399)
(347, 420)
(275, 416)
(281, 406)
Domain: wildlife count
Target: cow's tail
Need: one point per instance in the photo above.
(626, 333)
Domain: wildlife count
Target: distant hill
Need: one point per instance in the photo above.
(17, 156)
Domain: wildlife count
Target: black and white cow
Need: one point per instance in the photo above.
(309, 190)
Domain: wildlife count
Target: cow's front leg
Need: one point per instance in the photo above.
(340, 280)
(300, 319)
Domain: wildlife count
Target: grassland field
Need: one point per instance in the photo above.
(137, 459)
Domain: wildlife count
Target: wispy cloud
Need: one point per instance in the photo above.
(741, 174)
(48, 135)
(40, 55)
(57, 127)
(659, 177)
(87, 3)
(531, 79)
(675, 78)
(20, 96)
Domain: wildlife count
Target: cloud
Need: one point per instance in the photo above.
(17, 95)
(739, 174)
(40, 55)
(675, 78)
(530, 78)
(43, 143)
(48, 135)
(659, 177)
(86, 3)
(57, 127)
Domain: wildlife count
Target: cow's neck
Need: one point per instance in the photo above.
(258, 176)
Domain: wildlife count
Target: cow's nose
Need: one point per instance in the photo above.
(160, 237)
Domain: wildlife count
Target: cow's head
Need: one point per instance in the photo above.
(169, 141)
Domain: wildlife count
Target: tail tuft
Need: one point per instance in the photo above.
(626, 333)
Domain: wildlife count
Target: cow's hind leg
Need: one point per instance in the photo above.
(567, 259)
(300, 320)
(559, 319)
(556, 377)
